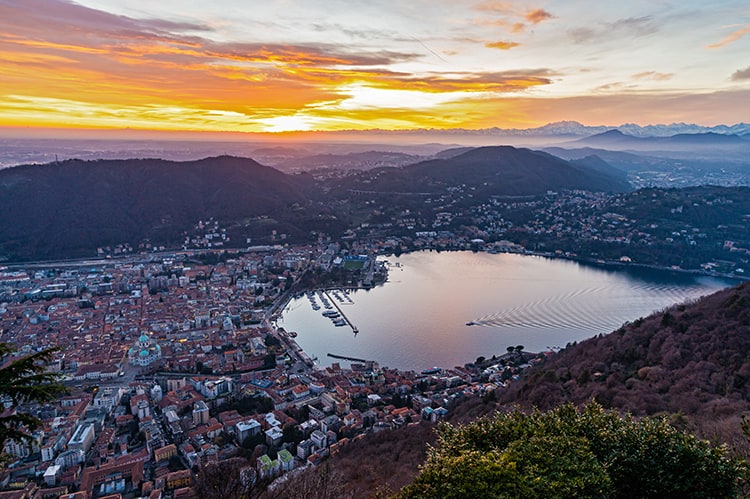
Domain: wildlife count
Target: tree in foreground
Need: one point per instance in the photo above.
(22, 380)
(570, 453)
(321, 482)
(229, 479)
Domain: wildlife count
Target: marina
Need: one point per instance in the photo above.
(342, 320)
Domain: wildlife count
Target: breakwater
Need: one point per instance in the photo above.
(344, 357)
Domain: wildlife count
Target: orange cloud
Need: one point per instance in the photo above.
(501, 45)
(510, 14)
(731, 38)
(498, 82)
(537, 15)
(63, 64)
(59, 50)
(110, 69)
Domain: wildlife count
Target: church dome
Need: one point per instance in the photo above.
(145, 351)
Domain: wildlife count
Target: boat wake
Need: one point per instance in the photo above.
(595, 309)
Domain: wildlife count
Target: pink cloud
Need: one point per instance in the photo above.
(731, 38)
(741, 74)
(496, 6)
(653, 75)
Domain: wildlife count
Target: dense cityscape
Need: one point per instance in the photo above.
(174, 363)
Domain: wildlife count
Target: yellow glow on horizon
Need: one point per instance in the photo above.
(361, 96)
(286, 124)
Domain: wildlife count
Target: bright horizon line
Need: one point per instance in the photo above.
(38, 130)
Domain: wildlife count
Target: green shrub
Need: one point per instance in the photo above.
(570, 453)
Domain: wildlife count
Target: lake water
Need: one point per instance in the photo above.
(418, 318)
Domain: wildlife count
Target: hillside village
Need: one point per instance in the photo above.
(700, 229)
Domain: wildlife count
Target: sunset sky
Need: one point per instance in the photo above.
(258, 66)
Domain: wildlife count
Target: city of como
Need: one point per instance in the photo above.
(348, 249)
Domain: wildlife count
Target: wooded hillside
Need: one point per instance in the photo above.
(692, 360)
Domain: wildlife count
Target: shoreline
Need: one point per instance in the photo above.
(616, 263)
(95, 261)
(586, 260)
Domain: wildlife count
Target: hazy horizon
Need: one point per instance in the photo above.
(48, 145)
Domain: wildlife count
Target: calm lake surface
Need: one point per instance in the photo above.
(418, 318)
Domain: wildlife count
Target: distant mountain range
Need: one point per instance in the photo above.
(337, 149)
(618, 139)
(575, 128)
(568, 129)
(70, 208)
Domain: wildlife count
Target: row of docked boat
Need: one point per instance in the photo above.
(342, 296)
(312, 297)
(324, 300)
(335, 318)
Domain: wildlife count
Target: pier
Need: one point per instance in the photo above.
(343, 357)
(335, 303)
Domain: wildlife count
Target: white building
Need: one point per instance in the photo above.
(319, 439)
(274, 436)
(143, 410)
(200, 413)
(69, 458)
(286, 460)
(212, 389)
(156, 393)
(108, 398)
(51, 474)
(246, 429)
(83, 438)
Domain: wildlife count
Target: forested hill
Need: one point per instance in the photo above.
(69, 208)
(692, 359)
(495, 170)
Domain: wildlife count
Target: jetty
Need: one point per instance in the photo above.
(344, 357)
(336, 305)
